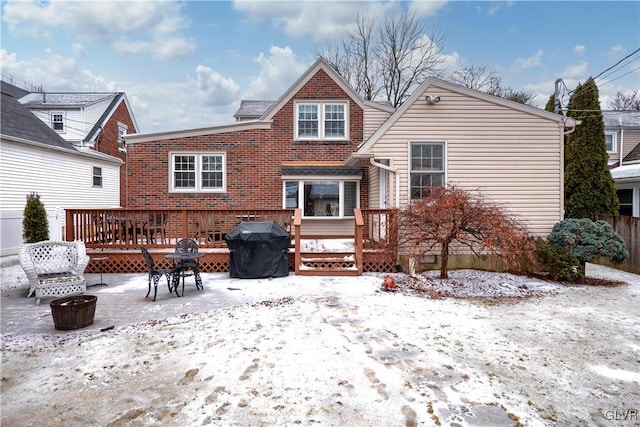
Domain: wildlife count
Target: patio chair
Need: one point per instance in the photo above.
(187, 246)
(156, 274)
(158, 226)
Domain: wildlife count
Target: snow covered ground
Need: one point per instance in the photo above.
(481, 349)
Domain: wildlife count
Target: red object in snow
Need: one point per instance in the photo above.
(389, 284)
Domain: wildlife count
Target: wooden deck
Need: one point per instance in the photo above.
(118, 235)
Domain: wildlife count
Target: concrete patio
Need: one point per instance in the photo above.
(123, 301)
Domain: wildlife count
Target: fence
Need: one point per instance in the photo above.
(11, 229)
(629, 229)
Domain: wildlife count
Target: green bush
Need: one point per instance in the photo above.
(586, 239)
(35, 226)
(560, 264)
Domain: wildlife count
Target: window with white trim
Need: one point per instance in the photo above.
(122, 131)
(198, 172)
(321, 120)
(97, 176)
(610, 141)
(58, 122)
(322, 198)
(426, 165)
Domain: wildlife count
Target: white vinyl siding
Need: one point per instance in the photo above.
(513, 157)
(373, 119)
(78, 121)
(61, 180)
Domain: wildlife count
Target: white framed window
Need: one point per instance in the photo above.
(97, 177)
(122, 132)
(321, 120)
(58, 121)
(197, 172)
(611, 142)
(320, 198)
(426, 167)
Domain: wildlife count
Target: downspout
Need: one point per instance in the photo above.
(621, 145)
(395, 172)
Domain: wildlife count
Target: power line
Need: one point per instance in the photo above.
(617, 63)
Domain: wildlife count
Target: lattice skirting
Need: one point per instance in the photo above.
(59, 286)
(130, 262)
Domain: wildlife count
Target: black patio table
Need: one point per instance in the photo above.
(180, 258)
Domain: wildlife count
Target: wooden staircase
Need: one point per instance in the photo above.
(327, 257)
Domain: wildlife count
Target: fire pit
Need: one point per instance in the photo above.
(73, 312)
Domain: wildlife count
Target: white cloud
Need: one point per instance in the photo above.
(79, 50)
(278, 71)
(316, 20)
(215, 89)
(426, 8)
(155, 25)
(616, 50)
(55, 73)
(579, 49)
(533, 61)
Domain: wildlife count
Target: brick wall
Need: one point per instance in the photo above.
(253, 157)
(107, 142)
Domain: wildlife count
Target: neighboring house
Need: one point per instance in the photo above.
(622, 131)
(320, 147)
(97, 120)
(34, 158)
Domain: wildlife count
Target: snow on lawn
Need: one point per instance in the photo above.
(339, 352)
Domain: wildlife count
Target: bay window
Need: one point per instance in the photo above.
(197, 172)
(322, 198)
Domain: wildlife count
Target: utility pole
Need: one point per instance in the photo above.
(556, 97)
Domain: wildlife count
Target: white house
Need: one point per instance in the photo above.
(34, 158)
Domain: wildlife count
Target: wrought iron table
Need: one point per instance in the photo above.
(180, 259)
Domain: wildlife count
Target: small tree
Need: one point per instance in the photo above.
(586, 239)
(35, 226)
(450, 217)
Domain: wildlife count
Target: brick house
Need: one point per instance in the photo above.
(323, 149)
(269, 162)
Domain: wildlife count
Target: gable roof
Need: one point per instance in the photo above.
(73, 100)
(15, 91)
(621, 119)
(432, 82)
(252, 109)
(264, 120)
(19, 122)
(64, 99)
(319, 64)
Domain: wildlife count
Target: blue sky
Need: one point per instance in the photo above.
(188, 64)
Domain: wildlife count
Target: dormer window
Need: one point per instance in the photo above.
(321, 120)
(57, 122)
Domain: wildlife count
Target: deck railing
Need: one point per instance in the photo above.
(122, 232)
(162, 228)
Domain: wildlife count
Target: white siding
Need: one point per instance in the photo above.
(512, 157)
(373, 119)
(62, 180)
(630, 139)
(78, 121)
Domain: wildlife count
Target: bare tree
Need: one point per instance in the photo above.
(624, 102)
(387, 59)
(450, 219)
(484, 79)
